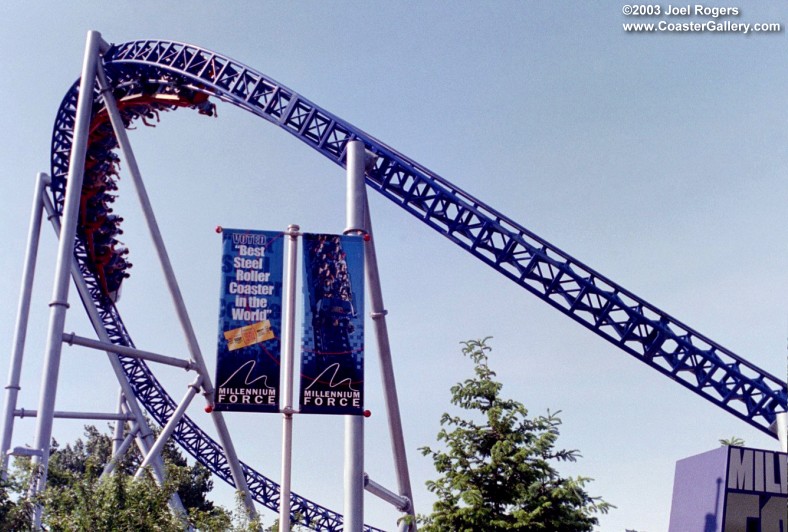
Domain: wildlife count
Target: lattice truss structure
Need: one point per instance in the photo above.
(180, 75)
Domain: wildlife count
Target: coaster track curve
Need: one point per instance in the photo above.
(161, 75)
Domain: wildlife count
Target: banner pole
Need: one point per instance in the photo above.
(354, 425)
(288, 336)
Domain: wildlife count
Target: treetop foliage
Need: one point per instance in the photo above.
(496, 468)
(78, 497)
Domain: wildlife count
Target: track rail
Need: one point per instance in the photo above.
(627, 321)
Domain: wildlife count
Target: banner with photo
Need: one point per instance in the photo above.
(250, 321)
(332, 351)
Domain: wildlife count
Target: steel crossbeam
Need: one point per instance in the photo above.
(640, 329)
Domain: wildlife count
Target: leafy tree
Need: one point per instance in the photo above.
(117, 502)
(733, 440)
(15, 513)
(498, 474)
(76, 498)
(87, 459)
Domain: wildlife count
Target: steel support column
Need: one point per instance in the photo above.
(354, 425)
(22, 316)
(59, 303)
(130, 405)
(174, 289)
(378, 313)
(166, 432)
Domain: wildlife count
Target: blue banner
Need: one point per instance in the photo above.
(332, 351)
(250, 321)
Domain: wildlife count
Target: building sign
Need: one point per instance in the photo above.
(250, 321)
(731, 489)
(332, 353)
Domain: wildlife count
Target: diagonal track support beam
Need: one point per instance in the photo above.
(175, 292)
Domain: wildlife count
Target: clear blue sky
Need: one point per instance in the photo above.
(658, 159)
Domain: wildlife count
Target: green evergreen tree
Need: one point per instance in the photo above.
(498, 473)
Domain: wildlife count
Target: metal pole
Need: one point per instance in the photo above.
(117, 437)
(119, 450)
(399, 502)
(355, 208)
(288, 336)
(354, 425)
(145, 435)
(378, 314)
(22, 315)
(175, 292)
(95, 416)
(157, 466)
(169, 428)
(73, 339)
(782, 431)
(65, 252)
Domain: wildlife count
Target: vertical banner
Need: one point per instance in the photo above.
(332, 352)
(250, 321)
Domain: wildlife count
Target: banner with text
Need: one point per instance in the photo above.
(250, 321)
(332, 351)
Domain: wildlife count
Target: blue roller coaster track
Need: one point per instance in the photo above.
(164, 75)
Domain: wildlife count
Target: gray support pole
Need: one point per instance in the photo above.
(63, 414)
(354, 425)
(59, 304)
(120, 450)
(73, 339)
(288, 348)
(782, 431)
(145, 435)
(117, 437)
(355, 195)
(169, 428)
(159, 473)
(399, 502)
(175, 292)
(22, 315)
(378, 314)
